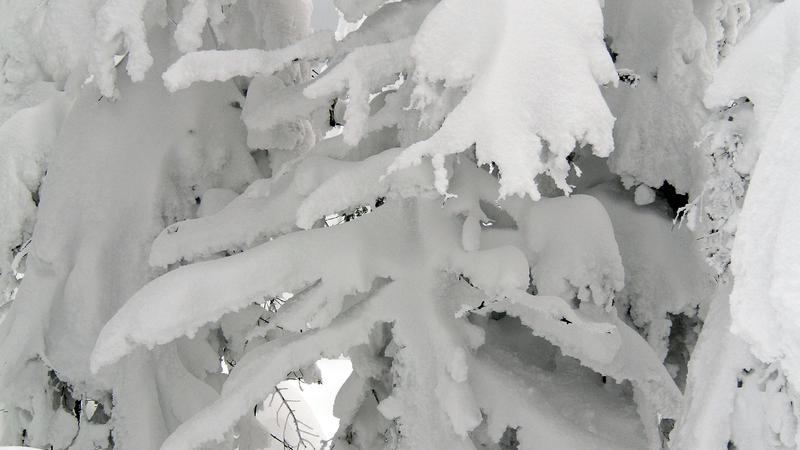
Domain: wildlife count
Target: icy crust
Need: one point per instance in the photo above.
(763, 300)
(511, 112)
(221, 65)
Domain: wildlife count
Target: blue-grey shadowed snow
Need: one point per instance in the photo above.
(325, 16)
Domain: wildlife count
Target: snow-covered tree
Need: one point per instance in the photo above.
(527, 223)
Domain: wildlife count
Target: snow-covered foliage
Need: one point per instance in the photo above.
(528, 224)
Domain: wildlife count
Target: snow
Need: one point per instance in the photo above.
(664, 271)
(561, 264)
(221, 65)
(763, 262)
(672, 51)
(526, 131)
(716, 362)
(237, 280)
(120, 19)
(182, 256)
(361, 72)
(644, 195)
(115, 174)
(26, 140)
(321, 396)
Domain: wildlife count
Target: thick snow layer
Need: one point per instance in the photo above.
(505, 54)
(658, 119)
(546, 415)
(717, 361)
(764, 258)
(337, 272)
(664, 270)
(26, 141)
(201, 284)
(119, 170)
(571, 247)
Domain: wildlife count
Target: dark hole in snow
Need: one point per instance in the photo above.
(628, 77)
(674, 200)
(332, 114)
(509, 439)
(665, 426)
(683, 333)
(497, 315)
(236, 105)
(565, 320)
(608, 40)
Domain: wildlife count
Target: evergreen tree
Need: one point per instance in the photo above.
(528, 224)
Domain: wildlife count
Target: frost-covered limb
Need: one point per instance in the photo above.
(392, 22)
(362, 72)
(257, 374)
(558, 232)
(120, 20)
(220, 286)
(243, 222)
(552, 318)
(599, 341)
(188, 33)
(360, 184)
(353, 10)
(510, 112)
(505, 396)
(221, 65)
(26, 140)
(281, 105)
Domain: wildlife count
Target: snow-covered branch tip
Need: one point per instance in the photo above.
(221, 65)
